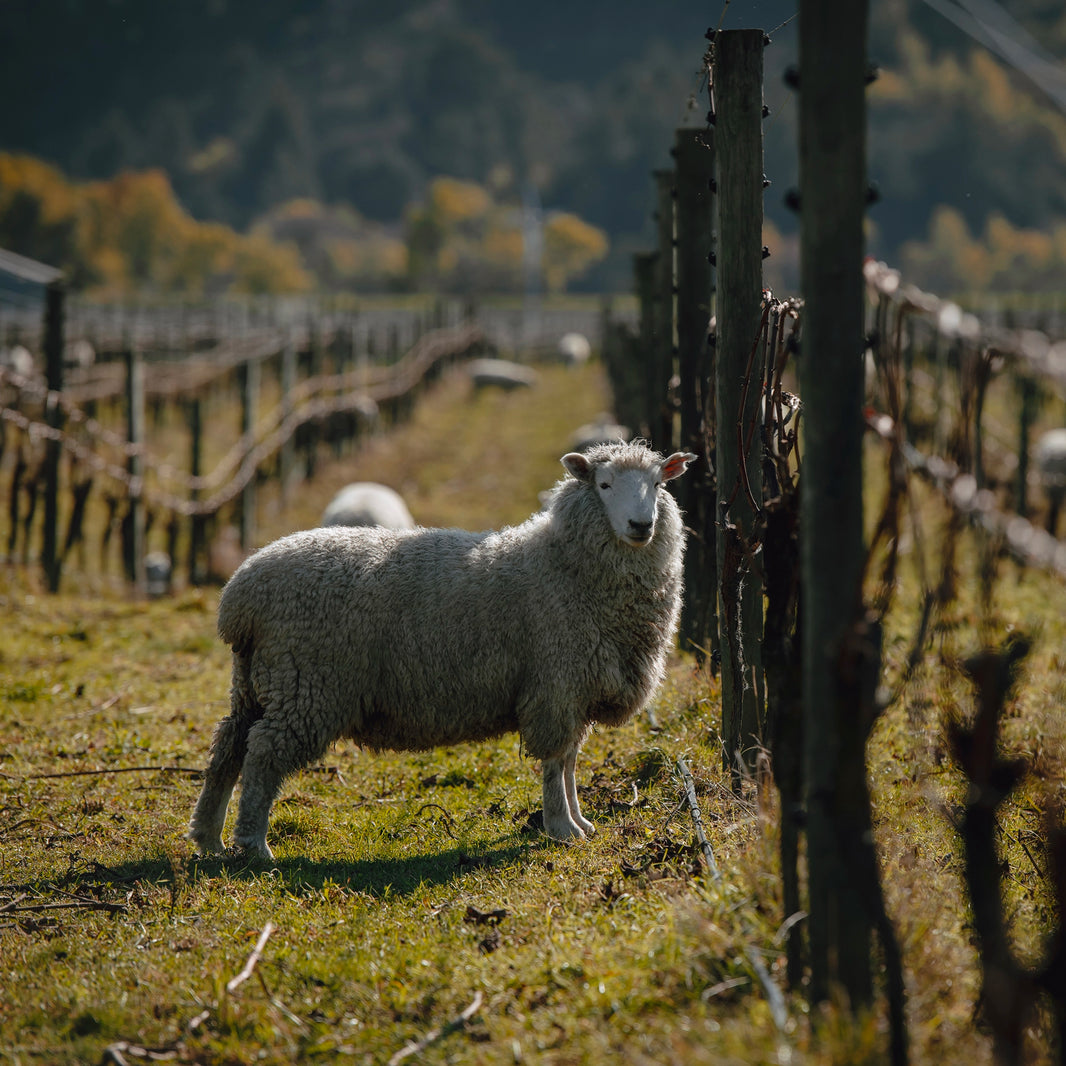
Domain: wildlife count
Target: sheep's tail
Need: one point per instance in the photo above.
(237, 614)
(228, 749)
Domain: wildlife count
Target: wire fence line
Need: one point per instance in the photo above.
(948, 376)
(141, 482)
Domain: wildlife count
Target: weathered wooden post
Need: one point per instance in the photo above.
(644, 279)
(198, 523)
(134, 526)
(694, 156)
(250, 374)
(738, 110)
(1028, 397)
(841, 648)
(286, 461)
(662, 352)
(312, 429)
(53, 356)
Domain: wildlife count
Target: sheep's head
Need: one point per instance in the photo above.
(627, 478)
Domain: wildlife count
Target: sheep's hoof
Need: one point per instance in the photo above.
(253, 850)
(567, 832)
(207, 845)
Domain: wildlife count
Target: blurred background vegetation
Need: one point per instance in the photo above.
(221, 145)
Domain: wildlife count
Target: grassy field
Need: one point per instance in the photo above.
(409, 901)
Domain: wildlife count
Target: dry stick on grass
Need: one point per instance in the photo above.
(448, 820)
(117, 770)
(417, 1046)
(24, 822)
(81, 904)
(235, 982)
(697, 818)
(13, 904)
(115, 1054)
(257, 953)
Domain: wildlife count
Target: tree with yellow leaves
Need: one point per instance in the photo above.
(130, 234)
(571, 246)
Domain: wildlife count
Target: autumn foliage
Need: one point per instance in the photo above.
(461, 237)
(130, 234)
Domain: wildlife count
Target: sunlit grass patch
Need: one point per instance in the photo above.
(408, 886)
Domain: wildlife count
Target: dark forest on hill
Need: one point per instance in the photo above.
(361, 105)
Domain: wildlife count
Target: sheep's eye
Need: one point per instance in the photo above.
(605, 484)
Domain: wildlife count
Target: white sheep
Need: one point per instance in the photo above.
(366, 503)
(500, 374)
(1050, 456)
(574, 349)
(604, 430)
(412, 639)
(17, 359)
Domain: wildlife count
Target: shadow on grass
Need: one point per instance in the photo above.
(377, 877)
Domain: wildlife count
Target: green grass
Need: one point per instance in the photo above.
(621, 949)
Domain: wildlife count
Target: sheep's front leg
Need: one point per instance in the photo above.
(558, 822)
(570, 787)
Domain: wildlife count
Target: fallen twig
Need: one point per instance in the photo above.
(116, 1053)
(415, 1046)
(22, 823)
(235, 982)
(97, 708)
(448, 821)
(697, 818)
(257, 952)
(118, 770)
(74, 905)
(14, 903)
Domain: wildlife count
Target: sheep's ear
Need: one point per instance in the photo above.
(677, 464)
(578, 465)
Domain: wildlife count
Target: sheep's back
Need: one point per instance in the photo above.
(390, 624)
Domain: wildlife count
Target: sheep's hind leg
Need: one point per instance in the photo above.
(570, 787)
(227, 753)
(558, 821)
(274, 752)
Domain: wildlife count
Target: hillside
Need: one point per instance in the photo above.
(246, 106)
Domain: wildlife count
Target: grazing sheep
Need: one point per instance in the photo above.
(17, 359)
(1050, 455)
(574, 349)
(413, 639)
(500, 374)
(603, 431)
(365, 503)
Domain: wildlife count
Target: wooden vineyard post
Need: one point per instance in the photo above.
(662, 353)
(286, 461)
(737, 88)
(133, 543)
(311, 430)
(644, 278)
(53, 352)
(198, 524)
(694, 156)
(841, 646)
(250, 374)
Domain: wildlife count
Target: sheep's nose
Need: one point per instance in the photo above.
(639, 530)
